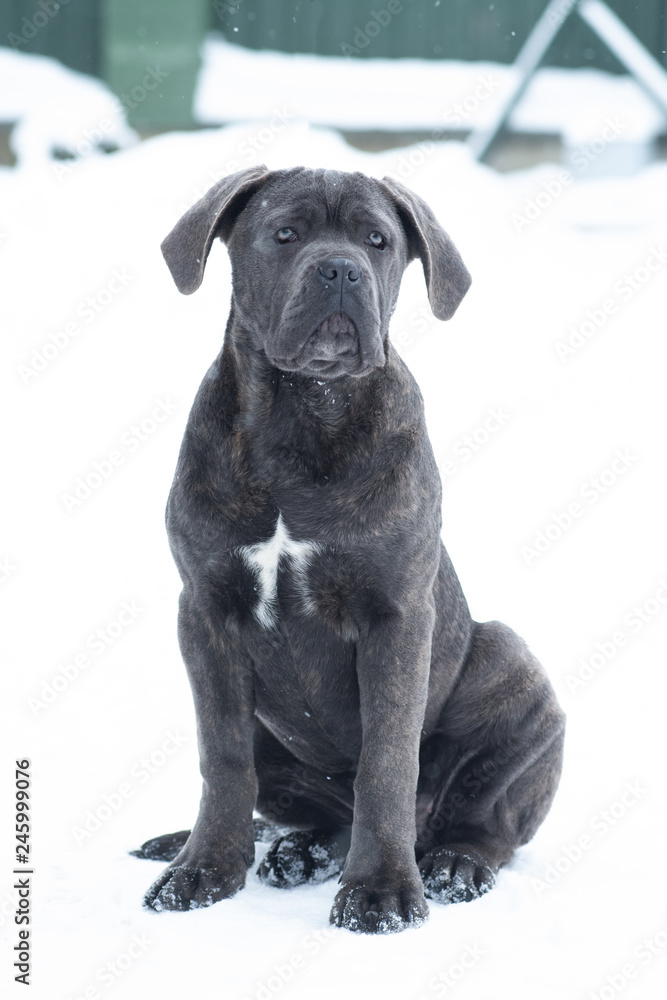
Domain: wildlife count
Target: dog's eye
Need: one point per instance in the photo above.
(376, 240)
(286, 235)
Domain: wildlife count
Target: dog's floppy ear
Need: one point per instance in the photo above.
(447, 277)
(187, 246)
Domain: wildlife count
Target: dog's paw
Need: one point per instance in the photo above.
(185, 886)
(455, 876)
(303, 856)
(266, 831)
(164, 848)
(373, 908)
(169, 845)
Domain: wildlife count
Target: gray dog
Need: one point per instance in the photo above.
(340, 685)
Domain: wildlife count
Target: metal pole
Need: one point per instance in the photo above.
(646, 70)
(529, 58)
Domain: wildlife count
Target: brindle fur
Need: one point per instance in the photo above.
(409, 747)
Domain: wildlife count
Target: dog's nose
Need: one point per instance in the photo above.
(338, 270)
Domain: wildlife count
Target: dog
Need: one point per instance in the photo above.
(341, 688)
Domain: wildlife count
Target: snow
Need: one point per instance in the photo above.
(412, 94)
(103, 358)
(58, 108)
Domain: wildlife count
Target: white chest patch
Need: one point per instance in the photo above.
(265, 558)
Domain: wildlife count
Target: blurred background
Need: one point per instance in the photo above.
(544, 158)
(204, 57)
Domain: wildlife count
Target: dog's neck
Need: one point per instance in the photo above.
(313, 425)
(265, 392)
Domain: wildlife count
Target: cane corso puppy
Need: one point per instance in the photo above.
(340, 686)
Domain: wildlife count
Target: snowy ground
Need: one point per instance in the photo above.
(411, 93)
(545, 401)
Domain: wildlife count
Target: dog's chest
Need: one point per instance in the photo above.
(265, 559)
(298, 653)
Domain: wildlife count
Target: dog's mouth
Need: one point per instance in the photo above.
(337, 325)
(332, 349)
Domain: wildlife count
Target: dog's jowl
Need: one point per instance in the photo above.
(342, 691)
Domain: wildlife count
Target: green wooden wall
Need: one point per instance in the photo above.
(125, 41)
(428, 29)
(70, 31)
(150, 57)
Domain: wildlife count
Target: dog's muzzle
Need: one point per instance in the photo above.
(332, 349)
(338, 345)
(335, 339)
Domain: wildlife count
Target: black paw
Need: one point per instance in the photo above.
(266, 831)
(379, 909)
(187, 886)
(303, 856)
(454, 876)
(164, 848)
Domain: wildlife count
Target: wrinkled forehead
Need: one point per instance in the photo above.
(332, 198)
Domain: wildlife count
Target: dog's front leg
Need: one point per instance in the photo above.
(382, 889)
(214, 861)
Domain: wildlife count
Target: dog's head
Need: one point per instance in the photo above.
(317, 258)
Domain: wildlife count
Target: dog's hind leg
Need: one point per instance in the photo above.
(487, 779)
(319, 806)
(305, 856)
